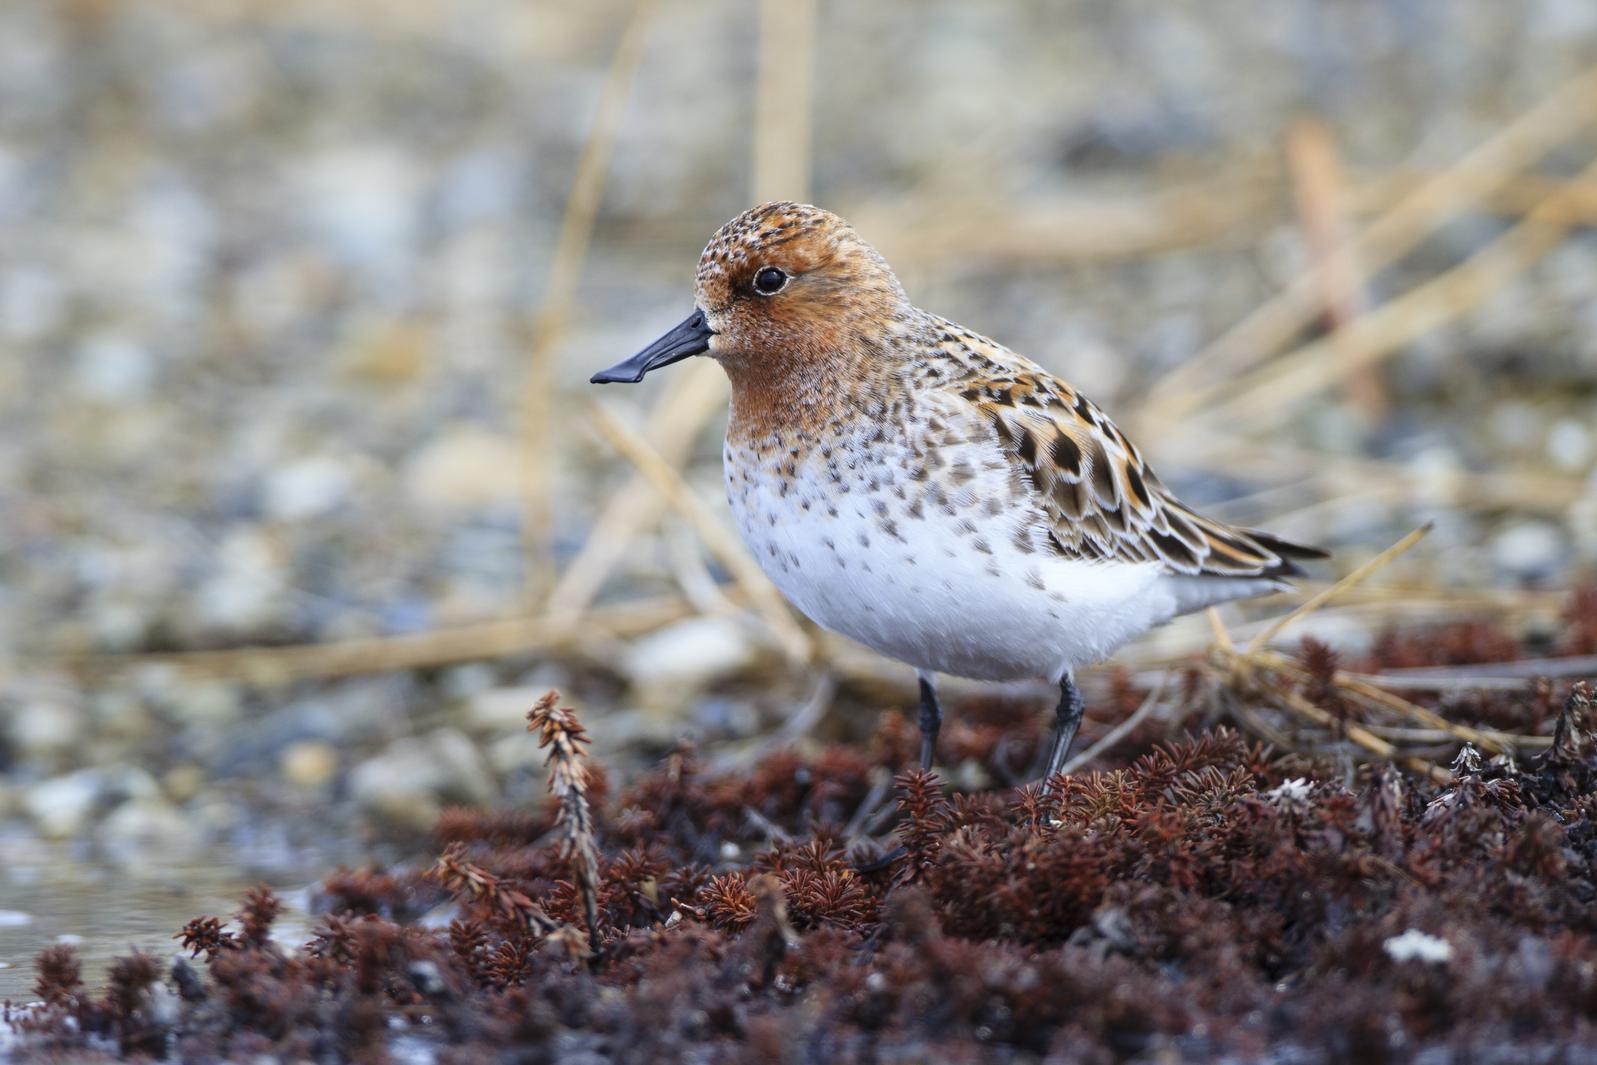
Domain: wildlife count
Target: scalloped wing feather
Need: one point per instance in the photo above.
(1102, 500)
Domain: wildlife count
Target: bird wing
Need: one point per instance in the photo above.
(1101, 499)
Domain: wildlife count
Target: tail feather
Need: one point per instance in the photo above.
(1286, 551)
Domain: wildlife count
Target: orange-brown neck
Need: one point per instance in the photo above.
(792, 395)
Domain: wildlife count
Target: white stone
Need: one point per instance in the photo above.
(503, 709)
(309, 764)
(307, 488)
(113, 368)
(1569, 445)
(246, 585)
(463, 469)
(1529, 549)
(61, 806)
(687, 656)
(413, 777)
(44, 728)
(516, 752)
(141, 827)
(1414, 945)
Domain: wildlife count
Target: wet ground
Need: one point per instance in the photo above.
(61, 893)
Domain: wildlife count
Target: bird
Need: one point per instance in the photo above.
(926, 491)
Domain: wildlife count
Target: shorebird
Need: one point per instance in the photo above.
(928, 492)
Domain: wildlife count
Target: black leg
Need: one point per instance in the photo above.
(1067, 719)
(931, 722)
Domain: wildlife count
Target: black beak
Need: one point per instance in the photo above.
(692, 337)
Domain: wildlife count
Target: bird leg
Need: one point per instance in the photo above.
(931, 721)
(1067, 719)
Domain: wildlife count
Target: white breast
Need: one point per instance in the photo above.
(940, 563)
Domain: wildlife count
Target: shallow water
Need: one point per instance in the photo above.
(60, 892)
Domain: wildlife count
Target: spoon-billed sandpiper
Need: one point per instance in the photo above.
(925, 490)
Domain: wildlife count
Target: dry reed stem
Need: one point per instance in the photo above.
(1217, 624)
(1373, 191)
(1244, 670)
(538, 438)
(1231, 208)
(1481, 172)
(780, 165)
(1369, 695)
(1316, 601)
(1051, 229)
(563, 736)
(695, 395)
(1270, 393)
(1321, 194)
(782, 111)
(720, 541)
(1520, 488)
(265, 666)
(1493, 673)
(1241, 671)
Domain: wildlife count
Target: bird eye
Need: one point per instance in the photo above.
(769, 281)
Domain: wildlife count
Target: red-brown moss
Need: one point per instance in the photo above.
(1210, 899)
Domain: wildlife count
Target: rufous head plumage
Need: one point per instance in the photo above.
(784, 292)
(790, 281)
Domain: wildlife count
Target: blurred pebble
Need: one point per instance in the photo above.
(681, 659)
(183, 782)
(113, 369)
(504, 709)
(1530, 550)
(309, 764)
(1569, 444)
(306, 488)
(60, 807)
(515, 754)
(45, 729)
(408, 783)
(464, 469)
(140, 828)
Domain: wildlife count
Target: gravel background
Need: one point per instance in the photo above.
(266, 285)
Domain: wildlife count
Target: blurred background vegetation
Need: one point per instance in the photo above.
(304, 498)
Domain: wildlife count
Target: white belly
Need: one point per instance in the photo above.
(940, 578)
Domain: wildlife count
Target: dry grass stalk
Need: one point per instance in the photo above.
(1372, 192)
(1249, 671)
(549, 325)
(1318, 600)
(1367, 694)
(345, 658)
(1323, 213)
(695, 394)
(1269, 395)
(563, 736)
(720, 541)
(781, 166)
(1480, 173)
(782, 100)
(1050, 229)
(1518, 488)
